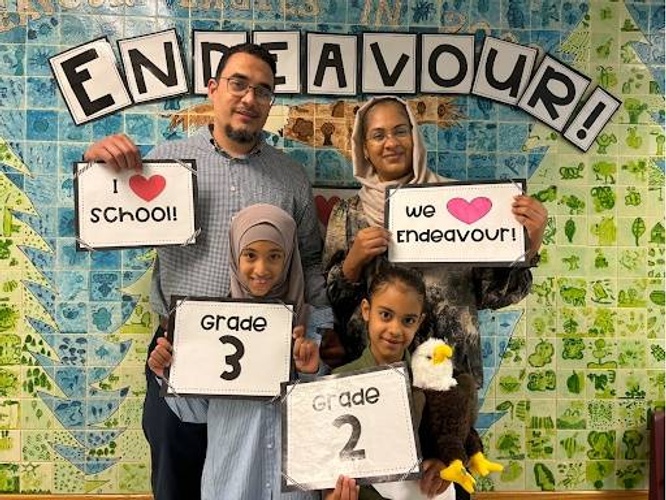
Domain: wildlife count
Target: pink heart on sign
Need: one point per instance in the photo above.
(147, 189)
(469, 211)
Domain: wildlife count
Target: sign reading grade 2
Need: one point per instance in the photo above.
(152, 207)
(357, 424)
(229, 348)
(456, 222)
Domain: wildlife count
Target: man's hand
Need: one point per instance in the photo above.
(118, 151)
(160, 358)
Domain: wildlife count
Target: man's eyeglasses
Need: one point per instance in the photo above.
(400, 133)
(239, 87)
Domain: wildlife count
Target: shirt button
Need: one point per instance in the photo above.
(233, 188)
(269, 446)
(268, 486)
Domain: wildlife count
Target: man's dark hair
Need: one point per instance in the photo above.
(251, 49)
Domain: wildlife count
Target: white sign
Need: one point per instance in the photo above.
(229, 348)
(152, 207)
(446, 63)
(357, 424)
(456, 222)
(331, 64)
(286, 47)
(209, 47)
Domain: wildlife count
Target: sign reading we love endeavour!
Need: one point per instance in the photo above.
(358, 424)
(228, 347)
(456, 222)
(155, 206)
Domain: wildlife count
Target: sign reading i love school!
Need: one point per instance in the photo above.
(456, 222)
(152, 207)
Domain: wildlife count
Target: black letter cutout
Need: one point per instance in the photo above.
(331, 57)
(348, 452)
(170, 79)
(541, 92)
(513, 82)
(432, 65)
(233, 359)
(388, 79)
(76, 79)
(270, 47)
(206, 49)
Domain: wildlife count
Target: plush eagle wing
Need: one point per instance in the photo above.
(450, 413)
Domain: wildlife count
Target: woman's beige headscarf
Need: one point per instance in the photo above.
(263, 222)
(372, 191)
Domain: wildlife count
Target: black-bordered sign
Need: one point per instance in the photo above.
(455, 222)
(156, 206)
(357, 424)
(226, 347)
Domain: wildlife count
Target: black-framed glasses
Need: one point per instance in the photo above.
(239, 87)
(380, 136)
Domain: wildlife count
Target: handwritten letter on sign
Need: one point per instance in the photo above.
(229, 348)
(152, 207)
(357, 424)
(455, 223)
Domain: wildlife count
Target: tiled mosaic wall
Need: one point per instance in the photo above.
(572, 372)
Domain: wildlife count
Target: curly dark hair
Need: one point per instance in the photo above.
(391, 274)
(247, 48)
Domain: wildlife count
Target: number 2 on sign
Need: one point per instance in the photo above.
(348, 452)
(233, 360)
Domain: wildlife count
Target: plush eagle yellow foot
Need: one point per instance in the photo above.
(457, 473)
(481, 466)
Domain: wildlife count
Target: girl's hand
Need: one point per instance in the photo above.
(345, 489)
(160, 358)
(369, 243)
(306, 352)
(431, 484)
(531, 213)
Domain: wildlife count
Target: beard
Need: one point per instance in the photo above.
(241, 136)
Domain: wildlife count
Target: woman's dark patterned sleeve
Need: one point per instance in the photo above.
(498, 287)
(343, 295)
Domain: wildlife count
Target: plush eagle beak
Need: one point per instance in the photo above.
(441, 354)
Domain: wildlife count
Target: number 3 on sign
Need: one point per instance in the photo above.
(233, 360)
(368, 433)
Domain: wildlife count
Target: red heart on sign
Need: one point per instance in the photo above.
(325, 206)
(147, 189)
(469, 211)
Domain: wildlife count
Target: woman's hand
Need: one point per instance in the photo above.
(160, 358)
(531, 213)
(369, 243)
(306, 352)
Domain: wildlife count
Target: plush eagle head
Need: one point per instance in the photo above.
(432, 367)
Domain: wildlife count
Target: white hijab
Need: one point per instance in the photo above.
(372, 192)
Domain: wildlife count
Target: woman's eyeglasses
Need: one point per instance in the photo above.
(380, 136)
(239, 87)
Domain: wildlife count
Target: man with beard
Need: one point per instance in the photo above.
(235, 169)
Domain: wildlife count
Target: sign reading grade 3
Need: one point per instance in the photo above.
(357, 424)
(229, 348)
(155, 206)
(456, 222)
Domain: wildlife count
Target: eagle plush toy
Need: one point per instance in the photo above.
(449, 415)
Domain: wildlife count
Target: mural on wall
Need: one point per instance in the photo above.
(571, 374)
